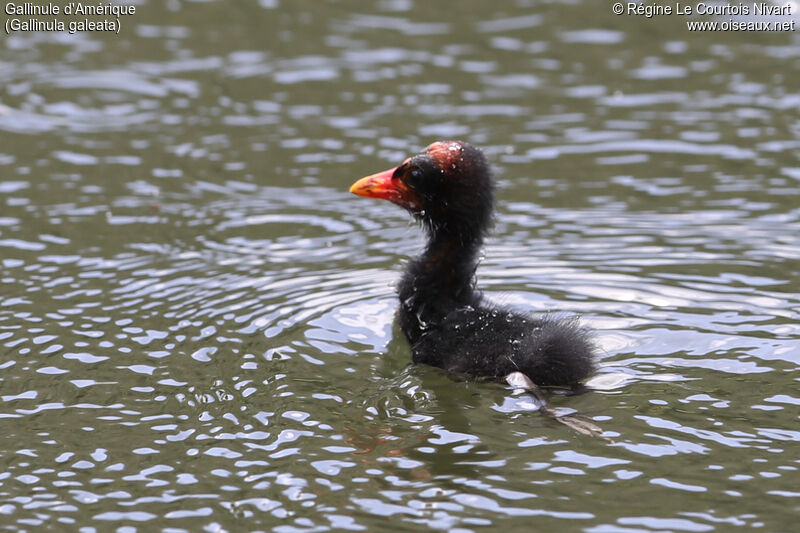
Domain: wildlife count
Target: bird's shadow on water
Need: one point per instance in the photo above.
(416, 410)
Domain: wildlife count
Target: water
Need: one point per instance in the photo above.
(196, 318)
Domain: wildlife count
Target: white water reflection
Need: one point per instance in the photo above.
(196, 321)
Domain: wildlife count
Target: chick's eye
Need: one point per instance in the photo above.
(411, 177)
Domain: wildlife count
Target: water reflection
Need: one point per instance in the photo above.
(196, 318)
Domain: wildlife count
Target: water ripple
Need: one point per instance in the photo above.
(197, 320)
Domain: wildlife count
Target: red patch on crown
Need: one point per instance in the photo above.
(447, 154)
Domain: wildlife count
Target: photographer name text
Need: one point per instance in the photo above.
(739, 9)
